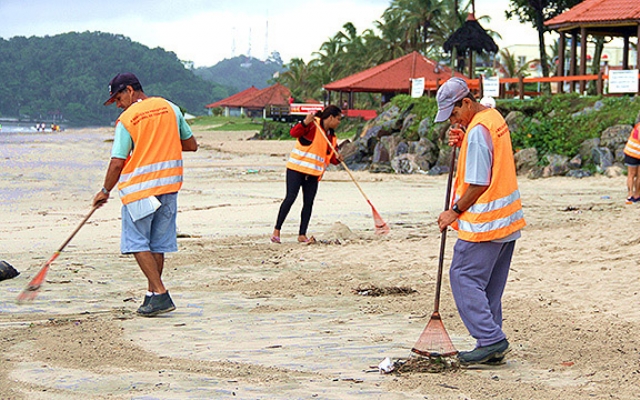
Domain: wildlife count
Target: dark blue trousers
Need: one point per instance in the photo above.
(478, 276)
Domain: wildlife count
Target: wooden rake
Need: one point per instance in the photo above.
(434, 340)
(31, 291)
(381, 227)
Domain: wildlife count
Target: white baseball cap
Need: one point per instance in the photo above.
(452, 91)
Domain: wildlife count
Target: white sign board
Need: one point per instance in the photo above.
(625, 81)
(417, 87)
(491, 87)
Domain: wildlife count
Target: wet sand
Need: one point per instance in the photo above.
(261, 320)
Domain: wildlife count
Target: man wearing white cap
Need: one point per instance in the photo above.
(487, 213)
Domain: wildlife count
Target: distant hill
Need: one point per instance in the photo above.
(65, 77)
(242, 72)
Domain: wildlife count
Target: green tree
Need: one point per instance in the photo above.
(536, 12)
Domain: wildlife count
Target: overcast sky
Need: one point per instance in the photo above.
(208, 31)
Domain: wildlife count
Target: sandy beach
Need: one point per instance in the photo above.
(257, 320)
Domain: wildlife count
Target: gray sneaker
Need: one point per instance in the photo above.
(145, 302)
(158, 304)
(479, 355)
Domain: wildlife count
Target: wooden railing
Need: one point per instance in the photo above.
(519, 84)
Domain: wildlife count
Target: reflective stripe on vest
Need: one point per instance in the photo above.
(154, 166)
(632, 148)
(497, 213)
(153, 183)
(312, 159)
(482, 221)
(318, 165)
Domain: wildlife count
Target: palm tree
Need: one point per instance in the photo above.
(417, 17)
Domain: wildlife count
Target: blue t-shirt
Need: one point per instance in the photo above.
(123, 144)
(479, 156)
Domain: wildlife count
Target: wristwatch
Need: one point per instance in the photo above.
(104, 190)
(456, 209)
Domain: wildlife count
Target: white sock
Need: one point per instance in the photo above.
(149, 294)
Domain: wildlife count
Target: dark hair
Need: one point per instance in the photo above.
(329, 111)
(468, 96)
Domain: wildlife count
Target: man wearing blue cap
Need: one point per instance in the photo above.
(146, 164)
(487, 213)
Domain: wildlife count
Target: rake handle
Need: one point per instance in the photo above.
(80, 225)
(344, 165)
(443, 236)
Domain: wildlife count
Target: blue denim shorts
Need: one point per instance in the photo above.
(156, 233)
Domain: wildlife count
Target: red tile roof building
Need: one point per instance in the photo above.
(394, 76)
(597, 18)
(253, 101)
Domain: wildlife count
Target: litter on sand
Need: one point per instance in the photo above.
(7, 271)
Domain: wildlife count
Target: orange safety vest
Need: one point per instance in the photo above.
(632, 148)
(154, 167)
(314, 158)
(498, 211)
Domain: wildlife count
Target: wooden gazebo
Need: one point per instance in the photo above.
(613, 18)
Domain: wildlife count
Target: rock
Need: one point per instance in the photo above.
(602, 158)
(613, 171)
(404, 164)
(615, 136)
(586, 149)
(575, 162)
(558, 165)
(514, 120)
(579, 173)
(426, 153)
(401, 148)
(423, 127)
(380, 154)
(526, 160)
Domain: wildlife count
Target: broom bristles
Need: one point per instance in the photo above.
(381, 227)
(434, 340)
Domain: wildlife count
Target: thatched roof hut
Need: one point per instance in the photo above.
(469, 38)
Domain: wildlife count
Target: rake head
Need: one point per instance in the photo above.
(381, 227)
(434, 340)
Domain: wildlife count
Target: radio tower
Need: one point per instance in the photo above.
(249, 51)
(266, 40)
(247, 64)
(233, 43)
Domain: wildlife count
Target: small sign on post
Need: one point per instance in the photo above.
(491, 87)
(625, 81)
(417, 87)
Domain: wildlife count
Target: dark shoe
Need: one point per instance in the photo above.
(158, 304)
(145, 302)
(483, 354)
(496, 360)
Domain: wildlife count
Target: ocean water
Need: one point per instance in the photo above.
(21, 127)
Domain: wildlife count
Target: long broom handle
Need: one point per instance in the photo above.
(443, 237)
(80, 225)
(344, 165)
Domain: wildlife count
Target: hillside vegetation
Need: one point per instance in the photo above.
(66, 77)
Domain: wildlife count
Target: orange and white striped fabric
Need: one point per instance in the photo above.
(632, 148)
(498, 211)
(155, 165)
(314, 158)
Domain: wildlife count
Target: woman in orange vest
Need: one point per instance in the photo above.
(306, 165)
(632, 161)
(486, 212)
